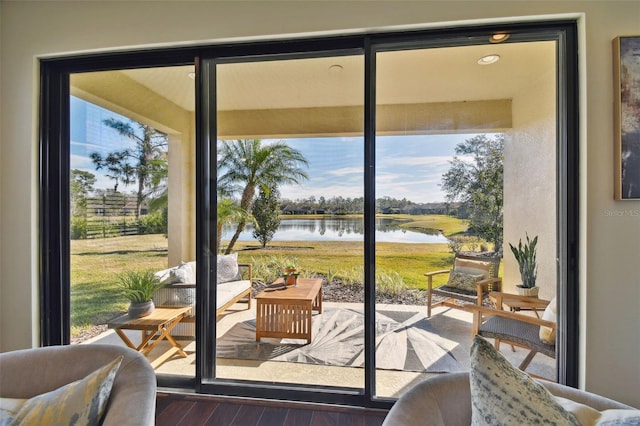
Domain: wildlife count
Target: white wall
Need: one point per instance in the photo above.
(610, 231)
(530, 180)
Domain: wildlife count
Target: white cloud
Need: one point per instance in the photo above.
(346, 171)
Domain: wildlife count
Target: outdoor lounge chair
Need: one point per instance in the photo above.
(515, 328)
(470, 280)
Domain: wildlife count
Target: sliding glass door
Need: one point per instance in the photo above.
(456, 130)
(290, 192)
(305, 189)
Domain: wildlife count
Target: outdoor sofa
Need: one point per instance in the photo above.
(233, 285)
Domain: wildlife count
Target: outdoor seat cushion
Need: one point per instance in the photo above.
(448, 291)
(229, 290)
(518, 332)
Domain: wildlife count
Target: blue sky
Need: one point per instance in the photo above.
(88, 135)
(406, 166)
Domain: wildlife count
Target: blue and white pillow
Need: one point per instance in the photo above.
(501, 394)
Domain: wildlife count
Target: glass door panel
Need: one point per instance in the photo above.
(132, 203)
(290, 199)
(455, 139)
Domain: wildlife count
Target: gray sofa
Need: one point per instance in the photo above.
(30, 372)
(446, 400)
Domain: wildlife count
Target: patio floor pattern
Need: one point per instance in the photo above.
(452, 325)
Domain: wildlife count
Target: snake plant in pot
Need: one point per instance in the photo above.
(139, 287)
(525, 254)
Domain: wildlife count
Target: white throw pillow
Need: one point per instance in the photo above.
(548, 334)
(502, 394)
(184, 273)
(227, 268)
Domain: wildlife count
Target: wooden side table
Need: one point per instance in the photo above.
(286, 311)
(159, 325)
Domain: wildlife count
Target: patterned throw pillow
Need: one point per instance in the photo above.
(464, 281)
(82, 402)
(227, 268)
(502, 394)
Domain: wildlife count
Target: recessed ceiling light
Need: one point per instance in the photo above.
(498, 37)
(489, 59)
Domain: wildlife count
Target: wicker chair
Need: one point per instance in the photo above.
(488, 266)
(515, 328)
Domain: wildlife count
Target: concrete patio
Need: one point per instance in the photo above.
(452, 325)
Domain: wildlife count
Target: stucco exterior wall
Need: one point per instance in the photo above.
(530, 194)
(610, 231)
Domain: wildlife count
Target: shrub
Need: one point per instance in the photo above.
(152, 223)
(78, 228)
(390, 283)
(267, 269)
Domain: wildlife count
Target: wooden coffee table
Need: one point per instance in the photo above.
(285, 311)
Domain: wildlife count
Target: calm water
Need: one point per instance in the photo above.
(337, 229)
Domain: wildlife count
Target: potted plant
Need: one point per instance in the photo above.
(290, 274)
(525, 254)
(139, 287)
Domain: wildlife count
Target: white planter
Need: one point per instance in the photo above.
(531, 292)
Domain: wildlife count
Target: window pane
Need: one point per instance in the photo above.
(132, 203)
(290, 195)
(454, 176)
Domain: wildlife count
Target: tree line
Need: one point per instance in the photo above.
(250, 173)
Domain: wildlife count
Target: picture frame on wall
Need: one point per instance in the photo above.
(626, 67)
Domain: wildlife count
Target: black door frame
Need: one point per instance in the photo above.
(54, 197)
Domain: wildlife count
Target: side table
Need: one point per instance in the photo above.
(157, 325)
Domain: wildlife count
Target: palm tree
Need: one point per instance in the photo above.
(228, 212)
(250, 163)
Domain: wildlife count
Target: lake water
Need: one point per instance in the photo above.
(338, 229)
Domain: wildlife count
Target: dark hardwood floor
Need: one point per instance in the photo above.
(178, 409)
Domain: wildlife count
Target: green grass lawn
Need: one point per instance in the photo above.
(95, 264)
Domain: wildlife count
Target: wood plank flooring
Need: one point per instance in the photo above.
(188, 410)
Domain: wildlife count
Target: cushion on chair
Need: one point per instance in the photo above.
(464, 281)
(227, 266)
(521, 332)
(502, 394)
(474, 267)
(81, 402)
(548, 334)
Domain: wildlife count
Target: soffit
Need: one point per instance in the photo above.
(448, 74)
